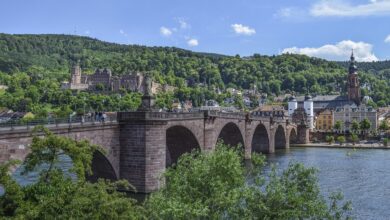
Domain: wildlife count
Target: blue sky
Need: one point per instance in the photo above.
(322, 28)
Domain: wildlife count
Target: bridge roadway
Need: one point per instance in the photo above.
(140, 145)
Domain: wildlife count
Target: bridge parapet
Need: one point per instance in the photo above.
(127, 116)
(19, 125)
(231, 115)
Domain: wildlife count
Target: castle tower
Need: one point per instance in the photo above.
(308, 105)
(292, 105)
(353, 82)
(76, 74)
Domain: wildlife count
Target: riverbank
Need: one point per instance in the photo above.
(346, 145)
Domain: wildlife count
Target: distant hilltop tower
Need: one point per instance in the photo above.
(353, 82)
(76, 74)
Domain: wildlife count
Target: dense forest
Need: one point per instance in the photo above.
(37, 64)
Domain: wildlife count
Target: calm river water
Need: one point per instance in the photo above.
(363, 175)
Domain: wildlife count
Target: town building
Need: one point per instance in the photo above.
(349, 113)
(324, 121)
(347, 108)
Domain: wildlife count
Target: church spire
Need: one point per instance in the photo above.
(352, 64)
(352, 57)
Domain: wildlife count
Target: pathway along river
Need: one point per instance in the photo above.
(363, 175)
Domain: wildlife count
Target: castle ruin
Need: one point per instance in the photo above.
(103, 77)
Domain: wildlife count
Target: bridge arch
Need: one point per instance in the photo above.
(260, 140)
(101, 168)
(293, 137)
(231, 135)
(179, 140)
(280, 138)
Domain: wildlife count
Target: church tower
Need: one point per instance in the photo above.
(353, 82)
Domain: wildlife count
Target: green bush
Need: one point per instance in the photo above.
(330, 139)
(341, 139)
(354, 139)
(385, 142)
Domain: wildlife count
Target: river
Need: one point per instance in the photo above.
(363, 175)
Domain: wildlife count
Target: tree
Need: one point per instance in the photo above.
(365, 125)
(385, 142)
(213, 186)
(341, 139)
(99, 87)
(354, 139)
(384, 126)
(338, 125)
(355, 126)
(56, 195)
(239, 102)
(164, 100)
(329, 139)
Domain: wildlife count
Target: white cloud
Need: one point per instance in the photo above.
(87, 32)
(183, 24)
(122, 32)
(193, 42)
(165, 31)
(387, 40)
(342, 8)
(284, 12)
(339, 51)
(243, 30)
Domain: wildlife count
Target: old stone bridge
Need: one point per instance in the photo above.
(140, 145)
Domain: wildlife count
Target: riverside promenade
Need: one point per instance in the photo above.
(376, 145)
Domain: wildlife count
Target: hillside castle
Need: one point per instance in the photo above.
(103, 79)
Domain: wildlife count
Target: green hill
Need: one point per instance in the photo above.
(53, 55)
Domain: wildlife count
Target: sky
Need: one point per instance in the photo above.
(327, 29)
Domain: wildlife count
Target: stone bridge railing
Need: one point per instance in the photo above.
(232, 115)
(55, 122)
(127, 116)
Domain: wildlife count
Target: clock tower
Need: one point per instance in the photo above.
(353, 81)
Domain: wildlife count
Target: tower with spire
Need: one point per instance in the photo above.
(353, 81)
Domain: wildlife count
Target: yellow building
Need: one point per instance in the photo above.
(324, 120)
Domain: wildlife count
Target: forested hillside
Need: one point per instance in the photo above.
(36, 58)
(370, 66)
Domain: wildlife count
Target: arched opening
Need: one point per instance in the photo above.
(180, 140)
(293, 136)
(260, 141)
(280, 138)
(231, 135)
(101, 168)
